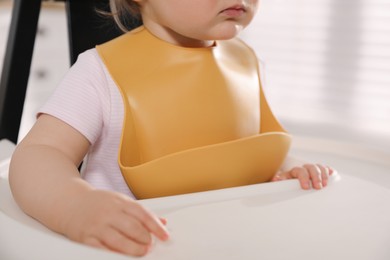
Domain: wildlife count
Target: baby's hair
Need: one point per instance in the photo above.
(126, 14)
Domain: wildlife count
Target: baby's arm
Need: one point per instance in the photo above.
(45, 182)
(309, 175)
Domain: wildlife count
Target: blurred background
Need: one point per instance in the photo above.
(326, 64)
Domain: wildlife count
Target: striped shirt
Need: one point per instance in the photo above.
(88, 100)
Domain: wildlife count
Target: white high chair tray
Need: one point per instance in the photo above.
(350, 219)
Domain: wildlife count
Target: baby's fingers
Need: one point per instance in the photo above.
(133, 229)
(282, 175)
(117, 241)
(164, 221)
(303, 176)
(325, 173)
(315, 174)
(94, 242)
(149, 221)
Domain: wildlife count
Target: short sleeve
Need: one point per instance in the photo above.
(80, 98)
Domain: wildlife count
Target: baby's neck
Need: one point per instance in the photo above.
(172, 37)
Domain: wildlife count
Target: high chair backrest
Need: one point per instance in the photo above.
(86, 28)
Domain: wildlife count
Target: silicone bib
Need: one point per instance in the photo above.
(195, 118)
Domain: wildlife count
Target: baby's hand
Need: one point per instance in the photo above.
(309, 175)
(113, 221)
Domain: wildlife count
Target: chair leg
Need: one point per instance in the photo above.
(16, 68)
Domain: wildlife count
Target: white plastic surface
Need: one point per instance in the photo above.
(350, 219)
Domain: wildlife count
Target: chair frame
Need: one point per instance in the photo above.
(86, 28)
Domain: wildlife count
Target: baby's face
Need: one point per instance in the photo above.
(195, 22)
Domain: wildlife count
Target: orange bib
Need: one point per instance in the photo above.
(196, 119)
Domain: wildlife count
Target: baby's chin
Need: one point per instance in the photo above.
(228, 32)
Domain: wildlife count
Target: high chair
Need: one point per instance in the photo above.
(347, 220)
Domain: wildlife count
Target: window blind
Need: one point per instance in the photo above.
(326, 63)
